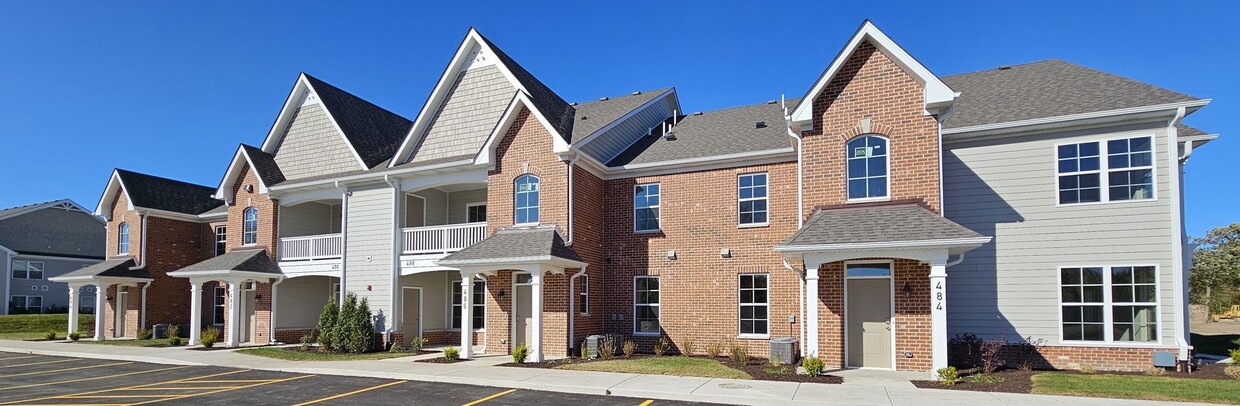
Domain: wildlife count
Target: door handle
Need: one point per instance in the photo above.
(887, 324)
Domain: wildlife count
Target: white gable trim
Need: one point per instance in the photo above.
(937, 95)
(66, 204)
(486, 156)
(595, 135)
(115, 184)
(460, 60)
(302, 90)
(224, 191)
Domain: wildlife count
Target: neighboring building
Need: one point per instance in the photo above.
(1040, 200)
(41, 241)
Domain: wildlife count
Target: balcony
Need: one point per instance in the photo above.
(310, 247)
(442, 239)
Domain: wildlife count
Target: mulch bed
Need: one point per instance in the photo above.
(1018, 381)
(756, 368)
(442, 360)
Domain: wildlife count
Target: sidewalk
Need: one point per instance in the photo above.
(861, 387)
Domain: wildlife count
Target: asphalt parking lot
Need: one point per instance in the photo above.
(27, 379)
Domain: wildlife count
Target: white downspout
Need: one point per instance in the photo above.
(142, 260)
(344, 240)
(397, 291)
(572, 312)
(571, 164)
(274, 303)
(1177, 241)
(802, 306)
(142, 317)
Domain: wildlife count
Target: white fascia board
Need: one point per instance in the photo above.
(172, 215)
(343, 137)
(1071, 119)
(944, 243)
(115, 184)
(373, 176)
(502, 263)
(486, 155)
(1199, 140)
(937, 95)
(275, 134)
(625, 117)
(224, 273)
(41, 206)
(224, 191)
(6, 249)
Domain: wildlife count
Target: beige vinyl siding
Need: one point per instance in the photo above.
(615, 140)
(467, 116)
(415, 211)
(368, 262)
(457, 202)
(312, 147)
(435, 305)
(1007, 188)
(309, 219)
(436, 206)
(301, 301)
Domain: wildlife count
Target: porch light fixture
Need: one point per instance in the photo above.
(501, 294)
(908, 290)
(671, 254)
(725, 253)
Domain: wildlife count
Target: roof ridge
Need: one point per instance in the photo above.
(35, 204)
(124, 171)
(337, 88)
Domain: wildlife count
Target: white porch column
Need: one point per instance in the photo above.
(195, 312)
(73, 307)
(536, 312)
(938, 315)
(234, 314)
(101, 300)
(467, 315)
(811, 311)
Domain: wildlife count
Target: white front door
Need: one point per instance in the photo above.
(248, 300)
(122, 307)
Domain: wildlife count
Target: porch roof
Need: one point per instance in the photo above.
(890, 225)
(246, 263)
(518, 245)
(114, 268)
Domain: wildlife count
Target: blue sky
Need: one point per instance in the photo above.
(171, 88)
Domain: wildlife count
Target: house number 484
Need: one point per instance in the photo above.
(938, 295)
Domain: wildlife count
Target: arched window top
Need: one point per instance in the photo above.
(122, 238)
(249, 232)
(526, 194)
(868, 167)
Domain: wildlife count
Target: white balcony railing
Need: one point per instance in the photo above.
(442, 239)
(322, 246)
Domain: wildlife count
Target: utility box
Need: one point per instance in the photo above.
(784, 350)
(590, 350)
(159, 330)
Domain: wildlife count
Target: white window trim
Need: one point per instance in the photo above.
(122, 237)
(658, 218)
(216, 244)
(891, 265)
(451, 305)
(220, 308)
(1107, 316)
(658, 305)
(750, 336)
(583, 289)
(886, 154)
(42, 270)
(537, 206)
(243, 227)
(767, 198)
(472, 205)
(1104, 169)
(26, 301)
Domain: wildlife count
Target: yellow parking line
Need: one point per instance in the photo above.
(219, 391)
(127, 387)
(179, 388)
(490, 397)
(350, 393)
(647, 402)
(41, 363)
(21, 357)
(231, 381)
(66, 369)
(91, 379)
(118, 396)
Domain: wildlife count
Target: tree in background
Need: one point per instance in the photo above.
(1216, 268)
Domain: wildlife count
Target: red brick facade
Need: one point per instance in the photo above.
(267, 238)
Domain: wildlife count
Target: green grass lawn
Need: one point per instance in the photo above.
(294, 355)
(1138, 387)
(1215, 344)
(36, 326)
(679, 366)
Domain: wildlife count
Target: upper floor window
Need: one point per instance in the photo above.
(525, 209)
(646, 207)
(122, 239)
(476, 213)
(249, 230)
(27, 270)
(1117, 303)
(867, 168)
(1128, 170)
(751, 199)
(221, 240)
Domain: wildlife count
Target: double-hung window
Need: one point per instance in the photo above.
(476, 213)
(646, 207)
(217, 305)
(27, 270)
(646, 305)
(479, 304)
(249, 227)
(867, 168)
(754, 314)
(1109, 304)
(525, 208)
(751, 199)
(122, 238)
(221, 240)
(583, 294)
(26, 304)
(1126, 173)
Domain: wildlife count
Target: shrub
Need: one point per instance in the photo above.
(661, 346)
(209, 336)
(948, 376)
(1155, 371)
(990, 354)
(739, 354)
(354, 328)
(688, 347)
(306, 340)
(607, 348)
(416, 343)
(75, 336)
(174, 341)
(1235, 354)
(965, 350)
(986, 378)
(147, 334)
(327, 326)
(51, 335)
(1029, 352)
(585, 353)
(396, 348)
(174, 334)
(519, 353)
(450, 353)
(1233, 371)
(776, 370)
(1088, 369)
(813, 366)
(714, 349)
(629, 348)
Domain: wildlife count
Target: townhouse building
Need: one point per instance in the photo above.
(876, 216)
(40, 241)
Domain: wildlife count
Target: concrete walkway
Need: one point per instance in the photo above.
(861, 387)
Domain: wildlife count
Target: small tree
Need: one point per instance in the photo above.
(1216, 265)
(327, 325)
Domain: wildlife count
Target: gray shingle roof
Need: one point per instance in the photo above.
(264, 165)
(557, 111)
(119, 267)
(593, 115)
(515, 245)
(714, 133)
(373, 131)
(251, 260)
(878, 223)
(1043, 89)
(158, 193)
(57, 228)
(1187, 131)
